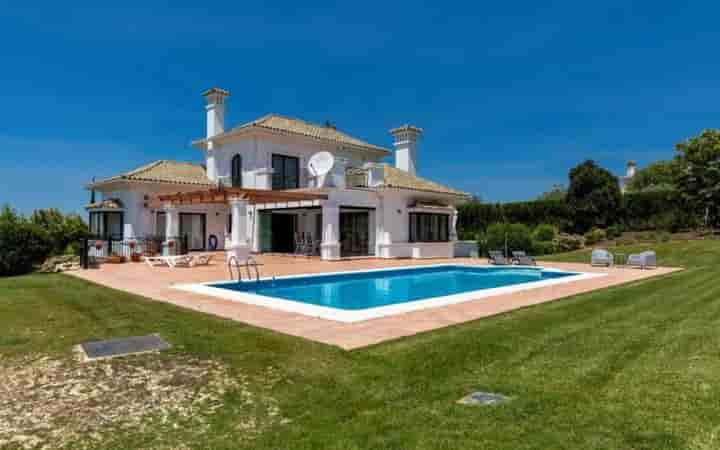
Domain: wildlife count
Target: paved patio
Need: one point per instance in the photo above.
(156, 283)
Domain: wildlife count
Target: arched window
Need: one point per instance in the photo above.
(236, 171)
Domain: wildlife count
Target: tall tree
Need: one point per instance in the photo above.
(660, 175)
(593, 197)
(699, 173)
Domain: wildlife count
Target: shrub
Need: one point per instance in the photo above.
(467, 235)
(570, 242)
(594, 236)
(614, 231)
(663, 236)
(544, 248)
(22, 243)
(62, 229)
(482, 243)
(544, 233)
(625, 241)
(518, 237)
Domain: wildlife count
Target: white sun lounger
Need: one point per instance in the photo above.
(170, 261)
(202, 259)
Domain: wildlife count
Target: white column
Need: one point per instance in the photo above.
(256, 230)
(238, 237)
(380, 234)
(330, 246)
(172, 227)
(453, 225)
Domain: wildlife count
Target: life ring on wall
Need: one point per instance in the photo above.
(213, 242)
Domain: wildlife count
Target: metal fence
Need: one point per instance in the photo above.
(94, 249)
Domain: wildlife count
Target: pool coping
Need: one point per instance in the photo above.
(353, 316)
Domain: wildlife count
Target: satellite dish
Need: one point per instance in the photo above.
(320, 165)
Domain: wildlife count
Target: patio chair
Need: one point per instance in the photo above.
(300, 245)
(601, 257)
(497, 258)
(643, 260)
(316, 247)
(521, 258)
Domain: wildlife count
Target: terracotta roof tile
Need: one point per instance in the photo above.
(327, 133)
(399, 179)
(164, 171)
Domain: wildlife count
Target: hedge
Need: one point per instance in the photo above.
(478, 216)
(657, 210)
(641, 211)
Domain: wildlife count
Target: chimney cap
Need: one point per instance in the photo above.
(216, 91)
(215, 95)
(405, 129)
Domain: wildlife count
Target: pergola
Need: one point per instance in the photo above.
(238, 199)
(228, 194)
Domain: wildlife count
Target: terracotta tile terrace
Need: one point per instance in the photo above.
(156, 283)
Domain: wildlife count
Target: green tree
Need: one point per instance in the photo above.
(557, 192)
(22, 243)
(63, 229)
(660, 175)
(699, 173)
(594, 197)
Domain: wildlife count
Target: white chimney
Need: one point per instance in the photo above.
(631, 168)
(215, 110)
(406, 138)
(215, 125)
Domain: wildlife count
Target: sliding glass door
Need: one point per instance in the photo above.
(193, 226)
(354, 234)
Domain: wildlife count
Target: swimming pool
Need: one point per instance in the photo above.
(362, 295)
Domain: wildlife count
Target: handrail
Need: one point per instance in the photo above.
(255, 265)
(250, 261)
(233, 262)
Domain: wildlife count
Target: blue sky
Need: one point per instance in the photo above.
(510, 94)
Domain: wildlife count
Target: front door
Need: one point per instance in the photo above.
(193, 226)
(354, 234)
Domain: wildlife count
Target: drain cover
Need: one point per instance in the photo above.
(123, 346)
(484, 399)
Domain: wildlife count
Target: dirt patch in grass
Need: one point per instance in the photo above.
(50, 402)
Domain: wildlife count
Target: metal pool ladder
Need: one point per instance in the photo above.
(249, 262)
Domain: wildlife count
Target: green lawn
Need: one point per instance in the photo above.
(630, 367)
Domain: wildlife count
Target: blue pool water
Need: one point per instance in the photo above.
(362, 290)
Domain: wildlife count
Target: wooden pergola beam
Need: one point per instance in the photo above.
(253, 196)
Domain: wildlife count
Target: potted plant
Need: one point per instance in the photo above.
(134, 256)
(116, 259)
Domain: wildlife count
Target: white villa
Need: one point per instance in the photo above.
(257, 191)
